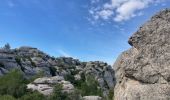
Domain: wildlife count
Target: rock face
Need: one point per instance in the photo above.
(143, 72)
(46, 85)
(32, 62)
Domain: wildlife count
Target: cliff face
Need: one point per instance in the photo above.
(31, 61)
(143, 72)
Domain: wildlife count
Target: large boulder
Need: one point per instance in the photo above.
(46, 85)
(143, 72)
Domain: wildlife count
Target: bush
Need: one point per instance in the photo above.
(75, 95)
(58, 95)
(52, 71)
(18, 60)
(87, 85)
(33, 96)
(90, 87)
(13, 84)
(70, 78)
(7, 97)
(111, 94)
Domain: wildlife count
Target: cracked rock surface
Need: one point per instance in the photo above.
(143, 72)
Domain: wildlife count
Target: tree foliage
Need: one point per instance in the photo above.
(13, 84)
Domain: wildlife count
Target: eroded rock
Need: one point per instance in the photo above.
(46, 85)
(143, 72)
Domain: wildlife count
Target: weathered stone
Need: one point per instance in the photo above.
(92, 98)
(33, 62)
(46, 85)
(143, 72)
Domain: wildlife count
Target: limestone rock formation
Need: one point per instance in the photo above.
(143, 72)
(32, 62)
(46, 85)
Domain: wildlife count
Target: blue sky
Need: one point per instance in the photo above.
(85, 29)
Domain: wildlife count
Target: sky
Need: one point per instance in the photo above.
(89, 30)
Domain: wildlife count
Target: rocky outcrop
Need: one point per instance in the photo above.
(33, 62)
(143, 72)
(46, 85)
(103, 73)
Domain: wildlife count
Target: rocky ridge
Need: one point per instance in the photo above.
(143, 72)
(31, 62)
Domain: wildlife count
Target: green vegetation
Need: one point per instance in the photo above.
(13, 84)
(13, 87)
(33, 96)
(86, 85)
(32, 63)
(52, 71)
(7, 97)
(18, 60)
(70, 78)
(90, 87)
(39, 55)
(111, 94)
(59, 95)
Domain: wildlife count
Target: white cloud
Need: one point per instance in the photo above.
(105, 14)
(121, 10)
(128, 9)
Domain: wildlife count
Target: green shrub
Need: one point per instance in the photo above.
(111, 94)
(70, 78)
(39, 55)
(18, 60)
(74, 72)
(58, 95)
(33, 96)
(52, 71)
(87, 85)
(7, 97)
(75, 95)
(90, 87)
(13, 84)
